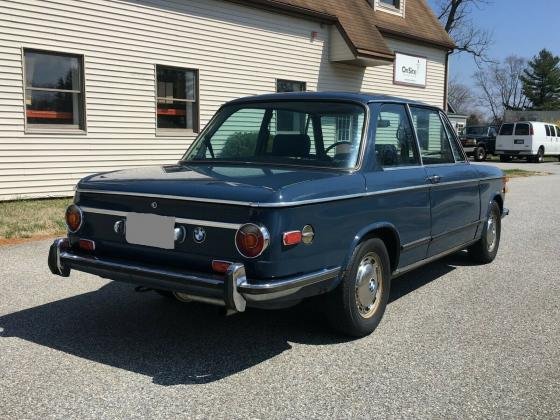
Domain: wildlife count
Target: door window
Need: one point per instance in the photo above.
(432, 137)
(394, 139)
(547, 128)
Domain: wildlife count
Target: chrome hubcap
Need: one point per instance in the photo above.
(368, 285)
(491, 232)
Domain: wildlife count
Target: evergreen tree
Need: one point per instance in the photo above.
(541, 81)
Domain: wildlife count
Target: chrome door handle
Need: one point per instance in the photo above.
(434, 179)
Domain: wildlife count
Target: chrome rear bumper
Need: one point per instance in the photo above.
(232, 290)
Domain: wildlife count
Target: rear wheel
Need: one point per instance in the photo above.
(540, 156)
(486, 249)
(480, 154)
(356, 307)
(505, 158)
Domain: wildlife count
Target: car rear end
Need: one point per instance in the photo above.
(515, 139)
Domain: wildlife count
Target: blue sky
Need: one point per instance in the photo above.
(519, 27)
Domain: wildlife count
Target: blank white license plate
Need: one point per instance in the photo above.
(150, 230)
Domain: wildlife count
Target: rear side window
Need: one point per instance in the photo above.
(506, 130)
(522, 130)
(547, 128)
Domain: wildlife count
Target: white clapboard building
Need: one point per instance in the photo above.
(97, 85)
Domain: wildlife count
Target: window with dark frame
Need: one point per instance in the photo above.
(177, 98)
(283, 86)
(392, 3)
(54, 90)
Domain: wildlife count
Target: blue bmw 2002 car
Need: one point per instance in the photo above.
(284, 197)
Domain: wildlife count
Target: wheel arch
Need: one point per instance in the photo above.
(385, 231)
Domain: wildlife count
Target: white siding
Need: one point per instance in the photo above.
(238, 51)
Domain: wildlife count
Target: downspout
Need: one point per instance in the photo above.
(446, 87)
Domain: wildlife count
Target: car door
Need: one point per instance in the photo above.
(557, 142)
(400, 180)
(454, 183)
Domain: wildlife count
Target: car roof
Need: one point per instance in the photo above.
(364, 98)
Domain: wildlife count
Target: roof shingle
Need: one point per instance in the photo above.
(363, 27)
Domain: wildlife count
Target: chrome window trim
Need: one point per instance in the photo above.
(364, 140)
(182, 221)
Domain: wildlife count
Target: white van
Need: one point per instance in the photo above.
(532, 140)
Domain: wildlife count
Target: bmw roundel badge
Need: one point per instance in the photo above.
(199, 235)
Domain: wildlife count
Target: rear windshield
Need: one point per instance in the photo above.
(522, 130)
(476, 131)
(506, 130)
(304, 133)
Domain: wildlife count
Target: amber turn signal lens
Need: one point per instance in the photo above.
(74, 218)
(86, 245)
(292, 238)
(252, 240)
(220, 267)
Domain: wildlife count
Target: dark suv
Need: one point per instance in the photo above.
(480, 141)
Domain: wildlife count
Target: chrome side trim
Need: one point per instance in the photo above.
(194, 222)
(290, 204)
(425, 261)
(414, 244)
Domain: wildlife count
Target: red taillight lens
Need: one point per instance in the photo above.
(292, 238)
(531, 130)
(220, 267)
(252, 240)
(74, 218)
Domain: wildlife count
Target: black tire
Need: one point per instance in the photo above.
(505, 158)
(486, 249)
(344, 310)
(540, 155)
(480, 154)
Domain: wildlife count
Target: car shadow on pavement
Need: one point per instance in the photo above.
(178, 343)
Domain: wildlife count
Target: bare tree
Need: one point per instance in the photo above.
(455, 15)
(460, 96)
(501, 88)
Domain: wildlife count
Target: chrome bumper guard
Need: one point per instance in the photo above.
(233, 290)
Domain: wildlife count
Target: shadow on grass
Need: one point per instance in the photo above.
(182, 343)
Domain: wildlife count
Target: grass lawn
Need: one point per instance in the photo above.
(28, 218)
(522, 173)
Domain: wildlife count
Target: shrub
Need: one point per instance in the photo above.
(240, 145)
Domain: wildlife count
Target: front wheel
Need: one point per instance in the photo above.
(486, 249)
(480, 154)
(356, 307)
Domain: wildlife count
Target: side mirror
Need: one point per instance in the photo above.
(383, 123)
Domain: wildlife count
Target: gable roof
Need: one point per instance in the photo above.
(363, 27)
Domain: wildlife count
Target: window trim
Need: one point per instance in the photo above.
(60, 129)
(454, 137)
(175, 132)
(439, 112)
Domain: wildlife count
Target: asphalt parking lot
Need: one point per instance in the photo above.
(457, 341)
